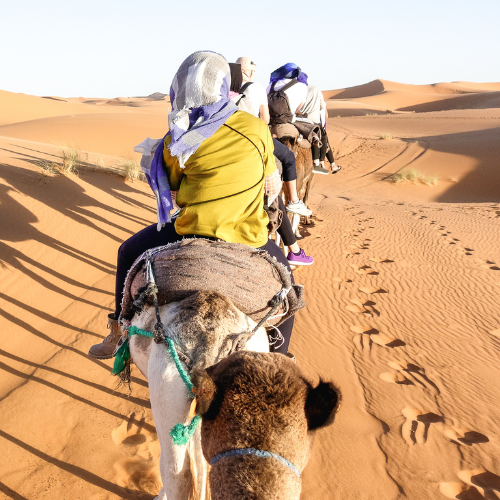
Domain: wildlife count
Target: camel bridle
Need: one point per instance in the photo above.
(239, 452)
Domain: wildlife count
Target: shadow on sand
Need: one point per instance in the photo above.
(76, 471)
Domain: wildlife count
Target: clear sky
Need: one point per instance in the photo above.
(103, 48)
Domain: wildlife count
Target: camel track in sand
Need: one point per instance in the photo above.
(414, 316)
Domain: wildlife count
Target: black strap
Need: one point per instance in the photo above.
(255, 146)
(244, 87)
(244, 190)
(288, 85)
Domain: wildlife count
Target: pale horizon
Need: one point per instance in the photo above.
(95, 49)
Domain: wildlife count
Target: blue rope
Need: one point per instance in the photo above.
(240, 452)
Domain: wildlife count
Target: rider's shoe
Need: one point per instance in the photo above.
(291, 356)
(318, 169)
(336, 168)
(298, 207)
(106, 349)
(299, 260)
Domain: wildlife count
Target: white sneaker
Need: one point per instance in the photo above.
(298, 207)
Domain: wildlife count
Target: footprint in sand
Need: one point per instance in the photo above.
(415, 430)
(415, 374)
(362, 306)
(341, 281)
(366, 336)
(362, 270)
(464, 436)
(496, 332)
(355, 308)
(372, 289)
(381, 260)
(139, 470)
(348, 254)
(395, 378)
(363, 329)
(487, 264)
(387, 341)
(459, 491)
(484, 481)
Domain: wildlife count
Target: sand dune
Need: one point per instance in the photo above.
(402, 298)
(382, 96)
(111, 134)
(21, 107)
(470, 101)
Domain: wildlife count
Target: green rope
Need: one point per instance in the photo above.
(122, 356)
(180, 433)
(183, 373)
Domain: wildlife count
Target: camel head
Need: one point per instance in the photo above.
(259, 414)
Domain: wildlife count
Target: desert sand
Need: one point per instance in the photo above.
(403, 298)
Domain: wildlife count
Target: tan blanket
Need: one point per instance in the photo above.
(249, 277)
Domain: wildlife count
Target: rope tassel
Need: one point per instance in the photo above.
(181, 434)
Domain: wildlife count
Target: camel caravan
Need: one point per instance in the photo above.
(205, 299)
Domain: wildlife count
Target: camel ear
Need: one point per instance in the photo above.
(322, 404)
(204, 389)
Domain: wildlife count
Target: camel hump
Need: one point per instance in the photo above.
(250, 278)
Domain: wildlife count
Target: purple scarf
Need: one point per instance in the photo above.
(158, 182)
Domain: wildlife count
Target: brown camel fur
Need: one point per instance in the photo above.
(304, 162)
(261, 401)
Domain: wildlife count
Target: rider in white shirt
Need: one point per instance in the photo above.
(254, 99)
(297, 93)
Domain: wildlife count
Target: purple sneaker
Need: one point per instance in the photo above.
(299, 260)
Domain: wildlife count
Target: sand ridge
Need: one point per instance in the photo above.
(402, 299)
(382, 96)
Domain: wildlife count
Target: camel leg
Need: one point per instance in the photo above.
(170, 406)
(295, 225)
(199, 466)
(278, 239)
(306, 195)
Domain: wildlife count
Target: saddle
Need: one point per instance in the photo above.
(251, 278)
(305, 133)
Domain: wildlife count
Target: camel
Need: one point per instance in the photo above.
(259, 417)
(203, 327)
(304, 162)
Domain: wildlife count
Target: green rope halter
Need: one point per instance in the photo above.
(180, 433)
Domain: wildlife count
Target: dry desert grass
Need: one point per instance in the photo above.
(72, 160)
(413, 175)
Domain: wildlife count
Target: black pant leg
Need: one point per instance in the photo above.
(329, 154)
(287, 159)
(285, 230)
(315, 152)
(147, 238)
